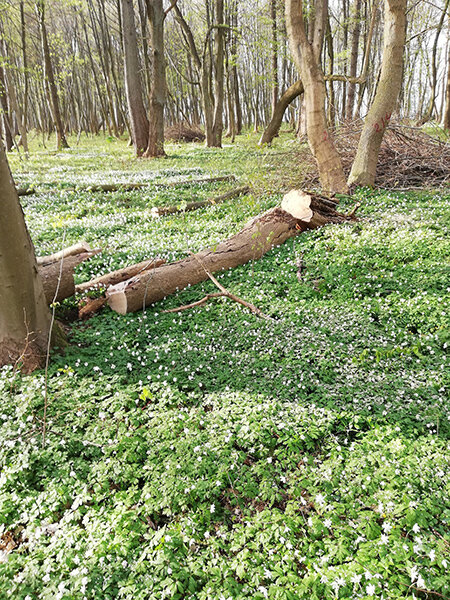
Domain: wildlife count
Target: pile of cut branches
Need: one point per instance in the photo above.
(409, 157)
(181, 132)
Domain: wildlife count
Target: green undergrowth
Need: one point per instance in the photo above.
(214, 455)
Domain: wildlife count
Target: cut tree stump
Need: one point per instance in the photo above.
(299, 211)
(170, 210)
(57, 277)
(120, 275)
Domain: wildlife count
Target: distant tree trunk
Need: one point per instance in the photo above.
(156, 16)
(364, 166)
(5, 110)
(272, 129)
(353, 60)
(24, 315)
(306, 55)
(219, 37)
(446, 122)
(138, 117)
(49, 78)
(275, 83)
(431, 104)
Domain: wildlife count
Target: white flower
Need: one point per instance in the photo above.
(263, 591)
(420, 582)
(356, 578)
(212, 508)
(432, 554)
(368, 575)
(327, 523)
(387, 527)
(370, 589)
(416, 528)
(269, 460)
(320, 499)
(384, 539)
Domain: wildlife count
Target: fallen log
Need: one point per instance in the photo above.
(79, 248)
(57, 277)
(162, 211)
(120, 275)
(25, 191)
(298, 212)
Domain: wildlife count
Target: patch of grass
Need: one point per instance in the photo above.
(211, 454)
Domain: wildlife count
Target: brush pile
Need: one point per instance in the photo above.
(409, 157)
(182, 132)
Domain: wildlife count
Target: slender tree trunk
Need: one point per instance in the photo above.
(364, 166)
(5, 110)
(219, 75)
(24, 315)
(49, 77)
(446, 122)
(307, 59)
(133, 87)
(156, 17)
(275, 82)
(350, 103)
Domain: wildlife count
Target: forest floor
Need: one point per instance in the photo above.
(215, 455)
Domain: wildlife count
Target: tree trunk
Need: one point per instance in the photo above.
(272, 129)
(49, 78)
(353, 60)
(24, 316)
(219, 75)
(364, 166)
(258, 237)
(307, 59)
(57, 277)
(446, 123)
(133, 87)
(156, 17)
(275, 83)
(4, 108)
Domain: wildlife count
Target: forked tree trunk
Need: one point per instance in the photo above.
(156, 17)
(299, 212)
(306, 55)
(138, 116)
(24, 316)
(272, 129)
(364, 166)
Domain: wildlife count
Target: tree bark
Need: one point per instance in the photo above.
(57, 277)
(120, 275)
(156, 16)
(49, 77)
(138, 116)
(219, 75)
(364, 166)
(446, 123)
(258, 237)
(353, 60)
(306, 55)
(24, 316)
(275, 83)
(5, 111)
(272, 129)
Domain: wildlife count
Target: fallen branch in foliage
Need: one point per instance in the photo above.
(189, 206)
(299, 212)
(224, 293)
(26, 191)
(79, 248)
(120, 275)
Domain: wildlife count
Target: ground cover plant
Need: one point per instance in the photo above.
(211, 454)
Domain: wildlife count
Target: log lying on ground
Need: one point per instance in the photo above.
(120, 275)
(26, 191)
(129, 187)
(57, 277)
(162, 211)
(299, 212)
(80, 248)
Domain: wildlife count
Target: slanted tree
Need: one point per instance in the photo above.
(25, 319)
